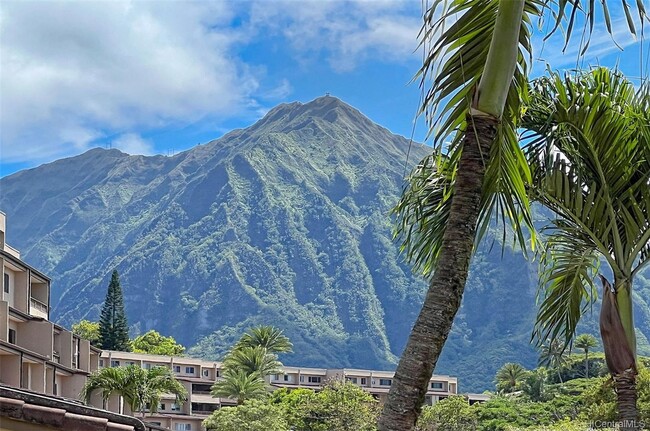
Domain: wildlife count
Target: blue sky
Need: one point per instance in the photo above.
(158, 77)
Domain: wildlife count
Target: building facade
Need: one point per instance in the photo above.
(35, 353)
(198, 376)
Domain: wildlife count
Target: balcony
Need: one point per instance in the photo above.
(37, 308)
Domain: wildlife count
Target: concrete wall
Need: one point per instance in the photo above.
(36, 336)
(4, 321)
(10, 370)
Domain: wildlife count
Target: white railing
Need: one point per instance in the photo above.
(39, 307)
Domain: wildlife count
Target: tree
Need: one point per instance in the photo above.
(510, 377)
(590, 152)
(253, 360)
(585, 342)
(137, 386)
(252, 415)
(240, 385)
(338, 406)
(113, 327)
(554, 355)
(155, 344)
(87, 330)
(477, 64)
(269, 337)
(451, 414)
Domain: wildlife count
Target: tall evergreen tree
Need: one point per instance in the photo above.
(113, 328)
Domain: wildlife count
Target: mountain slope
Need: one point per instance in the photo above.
(285, 223)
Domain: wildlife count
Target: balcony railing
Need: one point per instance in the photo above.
(37, 308)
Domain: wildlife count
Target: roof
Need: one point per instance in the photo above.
(60, 413)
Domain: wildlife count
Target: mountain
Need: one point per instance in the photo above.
(285, 222)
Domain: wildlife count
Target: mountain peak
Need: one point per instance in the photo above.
(327, 108)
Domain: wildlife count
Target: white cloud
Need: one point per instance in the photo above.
(132, 143)
(346, 33)
(72, 70)
(75, 72)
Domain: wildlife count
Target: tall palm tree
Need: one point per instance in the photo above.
(136, 386)
(554, 355)
(253, 360)
(477, 67)
(585, 342)
(590, 152)
(269, 337)
(510, 377)
(239, 385)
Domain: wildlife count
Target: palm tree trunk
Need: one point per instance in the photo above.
(442, 301)
(587, 363)
(617, 329)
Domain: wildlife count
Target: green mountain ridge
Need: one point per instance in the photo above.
(285, 222)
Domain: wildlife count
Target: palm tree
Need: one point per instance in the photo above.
(590, 151)
(477, 67)
(510, 377)
(585, 342)
(253, 360)
(269, 337)
(554, 355)
(136, 386)
(239, 385)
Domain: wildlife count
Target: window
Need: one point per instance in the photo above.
(6, 285)
(146, 366)
(176, 407)
(12, 336)
(115, 363)
(129, 363)
(189, 370)
(177, 368)
(206, 373)
(436, 385)
(302, 379)
(161, 406)
(101, 362)
(314, 379)
(218, 373)
(364, 381)
(182, 427)
(275, 377)
(286, 377)
(353, 380)
(385, 382)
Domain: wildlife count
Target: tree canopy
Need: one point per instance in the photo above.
(153, 343)
(87, 330)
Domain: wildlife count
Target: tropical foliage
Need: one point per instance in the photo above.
(153, 343)
(138, 387)
(590, 151)
(585, 342)
(338, 407)
(87, 330)
(240, 385)
(510, 377)
(475, 68)
(249, 362)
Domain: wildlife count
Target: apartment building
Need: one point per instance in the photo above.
(198, 376)
(36, 354)
(377, 383)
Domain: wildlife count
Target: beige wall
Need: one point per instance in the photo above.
(10, 370)
(4, 321)
(36, 336)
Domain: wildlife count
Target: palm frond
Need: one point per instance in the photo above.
(566, 288)
(422, 212)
